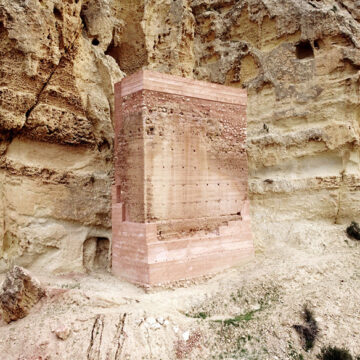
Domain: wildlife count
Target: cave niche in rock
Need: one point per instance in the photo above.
(304, 50)
(96, 254)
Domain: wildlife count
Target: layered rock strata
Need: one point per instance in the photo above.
(299, 61)
(59, 59)
(56, 131)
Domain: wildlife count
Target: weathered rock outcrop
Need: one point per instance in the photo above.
(299, 61)
(59, 59)
(20, 292)
(55, 120)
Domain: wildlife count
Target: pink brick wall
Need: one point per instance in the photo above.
(180, 204)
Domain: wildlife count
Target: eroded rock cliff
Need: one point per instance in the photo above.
(299, 61)
(55, 119)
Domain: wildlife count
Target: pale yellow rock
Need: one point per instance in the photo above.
(302, 105)
(299, 60)
(59, 61)
(57, 100)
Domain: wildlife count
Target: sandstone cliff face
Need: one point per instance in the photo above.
(59, 59)
(55, 119)
(299, 61)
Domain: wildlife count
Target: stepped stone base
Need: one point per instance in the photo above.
(139, 257)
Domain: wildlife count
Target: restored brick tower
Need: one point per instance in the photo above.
(180, 203)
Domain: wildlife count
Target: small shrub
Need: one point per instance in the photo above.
(201, 315)
(235, 321)
(71, 286)
(353, 230)
(293, 353)
(334, 353)
(308, 332)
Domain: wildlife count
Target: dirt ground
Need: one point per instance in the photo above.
(247, 312)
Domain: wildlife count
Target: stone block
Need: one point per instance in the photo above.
(181, 178)
(20, 292)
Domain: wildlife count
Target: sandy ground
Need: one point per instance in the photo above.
(99, 317)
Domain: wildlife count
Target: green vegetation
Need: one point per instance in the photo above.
(238, 351)
(293, 354)
(239, 318)
(71, 286)
(232, 337)
(201, 315)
